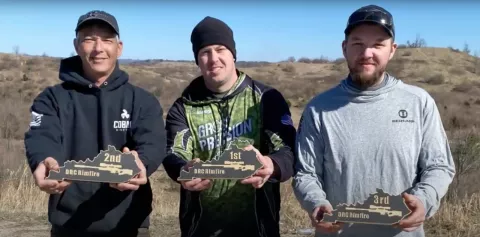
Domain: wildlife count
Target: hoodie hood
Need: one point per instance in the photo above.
(71, 72)
(371, 94)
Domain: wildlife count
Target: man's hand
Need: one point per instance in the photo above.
(195, 184)
(416, 218)
(324, 227)
(46, 185)
(137, 180)
(262, 175)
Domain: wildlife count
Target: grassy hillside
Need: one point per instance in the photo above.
(452, 77)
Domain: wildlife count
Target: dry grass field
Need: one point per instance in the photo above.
(452, 77)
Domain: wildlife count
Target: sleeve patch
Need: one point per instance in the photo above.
(286, 120)
(36, 119)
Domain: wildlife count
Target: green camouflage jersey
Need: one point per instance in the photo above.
(201, 124)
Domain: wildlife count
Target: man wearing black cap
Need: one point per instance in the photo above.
(371, 132)
(221, 109)
(95, 107)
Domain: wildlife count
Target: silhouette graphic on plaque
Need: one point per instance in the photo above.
(109, 166)
(234, 163)
(380, 209)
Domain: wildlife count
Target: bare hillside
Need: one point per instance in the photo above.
(452, 77)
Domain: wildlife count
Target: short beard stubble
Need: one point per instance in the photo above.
(366, 81)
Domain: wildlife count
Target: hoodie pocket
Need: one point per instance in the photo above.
(85, 205)
(73, 197)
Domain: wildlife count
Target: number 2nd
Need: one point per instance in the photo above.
(112, 158)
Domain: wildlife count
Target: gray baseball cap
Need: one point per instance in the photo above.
(97, 15)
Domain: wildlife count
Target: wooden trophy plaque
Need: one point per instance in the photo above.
(380, 208)
(234, 163)
(109, 166)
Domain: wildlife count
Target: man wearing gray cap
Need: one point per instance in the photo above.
(95, 107)
(371, 131)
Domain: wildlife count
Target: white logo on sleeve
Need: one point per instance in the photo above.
(124, 124)
(36, 119)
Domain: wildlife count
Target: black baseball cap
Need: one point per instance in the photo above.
(97, 15)
(371, 14)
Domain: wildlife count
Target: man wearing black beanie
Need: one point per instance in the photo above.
(212, 31)
(221, 109)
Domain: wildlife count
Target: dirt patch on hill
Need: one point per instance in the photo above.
(15, 227)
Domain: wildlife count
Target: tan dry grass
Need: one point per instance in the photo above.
(456, 96)
(460, 217)
(20, 196)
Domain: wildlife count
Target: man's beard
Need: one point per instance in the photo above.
(364, 80)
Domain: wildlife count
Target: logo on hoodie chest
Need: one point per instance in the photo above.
(123, 124)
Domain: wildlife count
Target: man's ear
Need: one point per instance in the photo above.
(120, 48)
(344, 48)
(75, 44)
(393, 49)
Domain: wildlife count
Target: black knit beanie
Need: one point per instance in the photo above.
(212, 31)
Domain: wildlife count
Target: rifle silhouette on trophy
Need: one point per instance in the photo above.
(237, 165)
(108, 167)
(377, 209)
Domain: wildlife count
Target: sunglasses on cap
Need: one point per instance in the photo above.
(374, 16)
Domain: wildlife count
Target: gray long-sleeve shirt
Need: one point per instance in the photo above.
(351, 142)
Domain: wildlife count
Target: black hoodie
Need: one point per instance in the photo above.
(74, 120)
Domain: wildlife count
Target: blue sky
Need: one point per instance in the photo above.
(264, 31)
